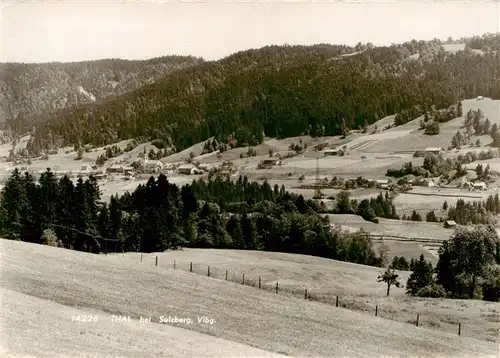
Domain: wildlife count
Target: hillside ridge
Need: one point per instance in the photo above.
(279, 91)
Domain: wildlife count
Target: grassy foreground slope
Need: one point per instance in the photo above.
(260, 319)
(356, 285)
(48, 328)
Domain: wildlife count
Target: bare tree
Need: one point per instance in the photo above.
(390, 277)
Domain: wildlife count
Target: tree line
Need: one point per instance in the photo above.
(464, 212)
(468, 268)
(218, 213)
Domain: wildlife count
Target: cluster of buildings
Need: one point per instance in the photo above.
(476, 186)
(148, 167)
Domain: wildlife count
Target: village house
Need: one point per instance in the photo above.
(450, 224)
(480, 186)
(271, 162)
(434, 150)
(100, 176)
(168, 166)
(115, 168)
(382, 183)
(189, 169)
(128, 170)
(205, 167)
(330, 152)
(152, 166)
(428, 182)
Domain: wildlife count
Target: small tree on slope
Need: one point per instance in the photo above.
(390, 277)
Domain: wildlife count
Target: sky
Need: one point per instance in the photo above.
(85, 30)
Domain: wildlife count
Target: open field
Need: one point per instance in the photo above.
(402, 228)
(242, 314)
(325, 279)
(423, 199)
(408, 250)
(416, 140)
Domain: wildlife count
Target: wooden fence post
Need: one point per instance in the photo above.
(141, 256)
(174, 264)
(376, 310)
(226, 275)
(337, 302)
(459, 328)
(156, 264)
(276, 287)
(243, 281)
(208, 272)
(191, 267)
(418, 316)
(259, 282)
(305, 294)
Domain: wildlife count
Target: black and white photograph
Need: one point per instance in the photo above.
(250, 178)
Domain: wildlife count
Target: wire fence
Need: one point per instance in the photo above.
(347, 302)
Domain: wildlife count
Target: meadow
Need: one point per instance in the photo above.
(284, 324)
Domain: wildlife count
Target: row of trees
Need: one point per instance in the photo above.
(368, 209)
(436, 165)
(159, 215)
(476, 212)
(463, 213)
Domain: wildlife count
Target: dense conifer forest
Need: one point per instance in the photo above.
(217, 213)
(282, 91)
(29, 90)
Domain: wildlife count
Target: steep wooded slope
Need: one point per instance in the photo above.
(28, 90)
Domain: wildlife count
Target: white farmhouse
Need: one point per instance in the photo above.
(152, 166)
(480, 186)
(434, 150)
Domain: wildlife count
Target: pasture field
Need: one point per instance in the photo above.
(402, 228)
(417, 140)
(263, 320)
(408, 250)
(423, 199)
(356, 286)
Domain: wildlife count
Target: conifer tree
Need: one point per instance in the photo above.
(422, 275)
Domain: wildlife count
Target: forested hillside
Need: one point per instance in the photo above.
(28, 90)
(282, 91)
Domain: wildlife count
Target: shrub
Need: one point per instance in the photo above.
(79, 154)
(251, 152)
(49, 238)
(432, 128)
(432, 291)
(491, 286)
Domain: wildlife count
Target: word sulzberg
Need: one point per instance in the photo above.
(175, 319)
